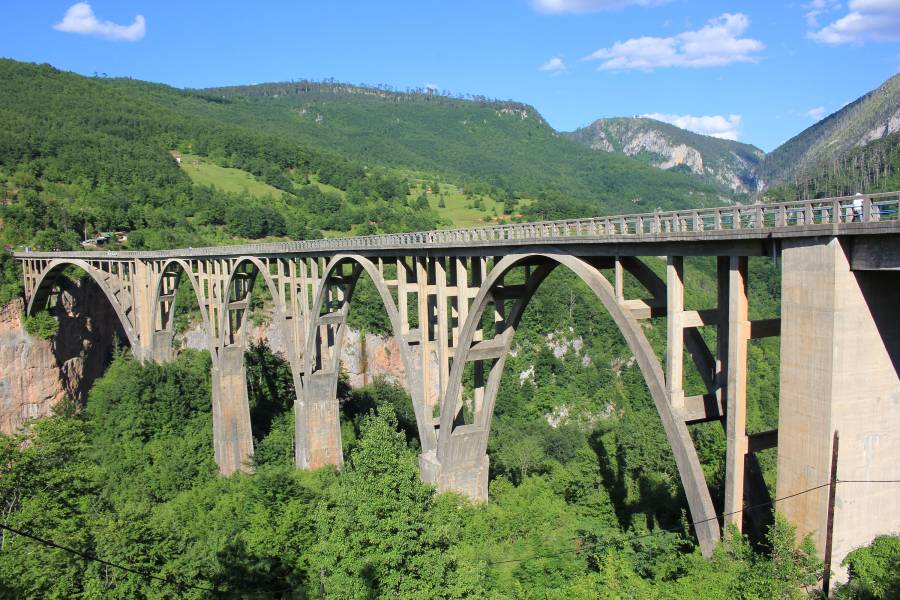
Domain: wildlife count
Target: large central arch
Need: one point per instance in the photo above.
(462, 448)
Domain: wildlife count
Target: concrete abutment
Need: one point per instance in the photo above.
(839, 372)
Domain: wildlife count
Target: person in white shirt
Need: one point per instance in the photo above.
(858, 207)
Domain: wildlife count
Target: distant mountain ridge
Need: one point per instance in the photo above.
(725, 163)
(743, 168)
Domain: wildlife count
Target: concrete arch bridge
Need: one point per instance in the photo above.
(454, 299)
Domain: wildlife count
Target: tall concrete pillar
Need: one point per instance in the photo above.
(232, 436)
(317, 425)
(840, 354)
(143, 295)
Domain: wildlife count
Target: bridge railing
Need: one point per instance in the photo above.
(847, 209)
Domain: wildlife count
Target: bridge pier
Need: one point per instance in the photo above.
(840, 355)
(232, 436)
(162, 349)
(317, 425)
(469, 478)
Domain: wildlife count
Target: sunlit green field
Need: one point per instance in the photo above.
(203, 171)
(458, 210)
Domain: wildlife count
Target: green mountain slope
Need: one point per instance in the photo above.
(724, 163)
(867, 119)
(80, 154)
(506, 145)
(874, 167)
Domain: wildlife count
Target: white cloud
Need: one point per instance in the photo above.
(555, 65)
(816, 8)
(867, 21)
(714, 45)
(585, 6)
(815, 113)
(719, 126)
(80, 18)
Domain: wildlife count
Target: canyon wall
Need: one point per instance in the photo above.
(35, 373)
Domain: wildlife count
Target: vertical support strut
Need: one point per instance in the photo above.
(619, 276)
(736, 390)
(675, 331)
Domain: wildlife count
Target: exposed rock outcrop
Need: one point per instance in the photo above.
(363, 362)
(35, 373)
(725, 163)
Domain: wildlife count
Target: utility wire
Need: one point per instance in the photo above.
(693, 523)
(90, 557)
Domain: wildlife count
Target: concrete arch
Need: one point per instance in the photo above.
(198, 297)
(44, 285)
(427, 435)
(279, 310)
(467, 444)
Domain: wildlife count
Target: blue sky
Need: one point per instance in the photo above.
(759, 71)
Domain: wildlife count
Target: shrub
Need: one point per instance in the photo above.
(42, 325)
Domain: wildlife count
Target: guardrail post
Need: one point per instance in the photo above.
(867, 209)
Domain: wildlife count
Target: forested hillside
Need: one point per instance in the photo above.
(874, 167)
(84, 154)
(868, 118)
(505, 144)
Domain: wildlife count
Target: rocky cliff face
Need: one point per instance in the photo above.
(35, 373)
(363, 359)
(723, 163)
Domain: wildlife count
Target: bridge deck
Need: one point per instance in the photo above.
(875, 214)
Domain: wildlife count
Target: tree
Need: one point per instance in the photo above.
(378, 537)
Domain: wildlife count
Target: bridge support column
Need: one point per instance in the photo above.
(162, 349)
(317, 425)
(840, 355)
(736, 390)
(232, 436)
(467, 478)
(142, 288)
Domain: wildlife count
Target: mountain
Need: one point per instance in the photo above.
(505, 144)
(872, 168)
(84, 154)
(723, 163)
(868, 118)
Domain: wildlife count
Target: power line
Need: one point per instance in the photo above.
(90, 557)
(693, 523)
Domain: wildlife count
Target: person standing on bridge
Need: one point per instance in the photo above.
(857, 207)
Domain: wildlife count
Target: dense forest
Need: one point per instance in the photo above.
(585, 499)
(872, 168)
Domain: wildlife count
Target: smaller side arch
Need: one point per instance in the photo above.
(47, 281)
(318, 429)
(176, 267)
